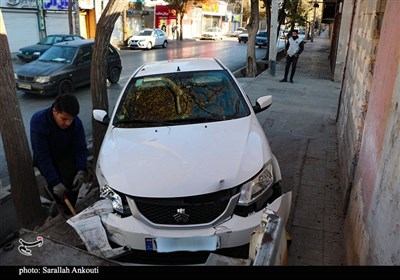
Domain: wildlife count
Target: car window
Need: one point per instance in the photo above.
(176, 98)
(59, 54)
(145, 33)
(111, 50)
(68, 38)
(50, 40)
(85, 54)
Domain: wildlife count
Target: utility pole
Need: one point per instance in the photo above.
(241, 14)
(41, 19)
(272, 37)
(316, 5)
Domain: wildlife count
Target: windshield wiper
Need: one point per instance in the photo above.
(137, 121)
(199, 120)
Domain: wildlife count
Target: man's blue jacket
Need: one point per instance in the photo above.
(50, 142)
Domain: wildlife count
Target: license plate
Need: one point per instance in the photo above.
(193, 244)
(25, 86)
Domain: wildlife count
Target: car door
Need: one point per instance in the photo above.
(82, 65)
(159, 38)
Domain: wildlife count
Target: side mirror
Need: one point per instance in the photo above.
(101, 116)
(262, 103)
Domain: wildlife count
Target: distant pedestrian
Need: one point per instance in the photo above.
(59, 147)
(164, 27)
(294, 47)
(173, 29)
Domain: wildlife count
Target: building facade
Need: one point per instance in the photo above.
(369, 131)
(27, 21)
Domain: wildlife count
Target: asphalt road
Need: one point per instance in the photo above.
(229, 51)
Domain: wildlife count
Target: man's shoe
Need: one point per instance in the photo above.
(291, 81)
(283, 80)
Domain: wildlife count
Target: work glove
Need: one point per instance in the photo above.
(78, 180)
(59, 191)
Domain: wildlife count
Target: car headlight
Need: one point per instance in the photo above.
(37, 53)
(256, 186)
(42, 79)
(107, 192)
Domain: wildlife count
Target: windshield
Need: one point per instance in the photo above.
(59, 54)
(212, 29)
(262, 34)
(50, 40)
(180, 98)
(144, 33)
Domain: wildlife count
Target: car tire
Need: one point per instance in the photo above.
(165, 44)
(149, 46)
(65, 86)
(115, 73)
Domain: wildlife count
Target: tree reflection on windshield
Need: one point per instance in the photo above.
(176, 98)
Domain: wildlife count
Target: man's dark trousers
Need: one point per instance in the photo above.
(290, 60)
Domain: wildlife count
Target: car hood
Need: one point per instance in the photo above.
(184, 160)
(39, 68)
(35, 48)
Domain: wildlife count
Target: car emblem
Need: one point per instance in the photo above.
(181, 216)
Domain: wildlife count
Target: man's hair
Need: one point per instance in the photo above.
(295, 30)
(67, 103)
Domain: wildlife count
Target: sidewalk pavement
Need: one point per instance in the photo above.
(301, 129)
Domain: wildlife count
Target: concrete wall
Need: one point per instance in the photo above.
(344, 35)
(356, 87)
(369, 132)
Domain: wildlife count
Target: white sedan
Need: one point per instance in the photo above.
(212, 33)
(148, 39)
(185, 163)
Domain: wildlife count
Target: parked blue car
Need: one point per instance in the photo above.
(32, 52)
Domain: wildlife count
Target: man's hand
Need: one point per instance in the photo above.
(59, 191)
(78, 180)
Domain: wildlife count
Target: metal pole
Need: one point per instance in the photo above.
(316, 5)
(313, 25)
(272, 37)
(241, 14)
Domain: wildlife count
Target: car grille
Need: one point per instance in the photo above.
(26, 78)
(192, 210)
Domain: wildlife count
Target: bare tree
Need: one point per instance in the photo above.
(24, 189)
(252, 27)
(98, 72)
(180, 7)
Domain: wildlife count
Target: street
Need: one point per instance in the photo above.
(229, 51)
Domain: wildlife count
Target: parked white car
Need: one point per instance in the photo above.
(148, 39)
(184, 161)
(212, 33)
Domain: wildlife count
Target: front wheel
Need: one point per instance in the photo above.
(149, 46)
(115, 73)
(65, 86)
